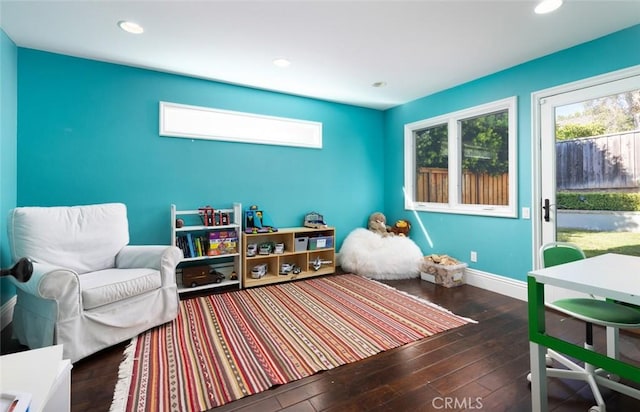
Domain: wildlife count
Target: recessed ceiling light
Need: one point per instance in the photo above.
(130, 27)
(547, 6)
(282, 62)
(379, 84)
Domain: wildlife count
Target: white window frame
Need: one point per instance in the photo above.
(454, 164)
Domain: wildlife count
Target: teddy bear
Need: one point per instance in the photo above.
(378, 224)
(401, 228)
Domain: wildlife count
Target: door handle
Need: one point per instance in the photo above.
(546, 209)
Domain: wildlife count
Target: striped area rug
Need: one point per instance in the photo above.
(226, 346)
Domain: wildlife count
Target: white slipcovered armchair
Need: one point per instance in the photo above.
(89, 289)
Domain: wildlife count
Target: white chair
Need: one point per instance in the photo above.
(89, 289)
(593, 312)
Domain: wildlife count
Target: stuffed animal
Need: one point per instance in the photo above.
(444, 260)
(378, 224)
(401, 228)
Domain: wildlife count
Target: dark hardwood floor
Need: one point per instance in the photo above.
(479, 366)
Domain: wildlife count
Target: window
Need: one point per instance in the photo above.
(463, 162)
(194, 122)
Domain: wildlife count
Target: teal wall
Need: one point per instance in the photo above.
(504, 245)
(8, 142)
(89, 133)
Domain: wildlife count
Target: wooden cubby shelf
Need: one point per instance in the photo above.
(302, 247)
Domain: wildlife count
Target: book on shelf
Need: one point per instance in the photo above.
(208, 244)
(192, 251)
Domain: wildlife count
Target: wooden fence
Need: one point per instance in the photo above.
(592, 163)
(432, 185)
(601, 162)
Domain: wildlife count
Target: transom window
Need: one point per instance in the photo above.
(463, 162)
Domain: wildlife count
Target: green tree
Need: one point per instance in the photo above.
(432, 147)
(485, 143)
(610, 114)
(618, 112)
(574, 130)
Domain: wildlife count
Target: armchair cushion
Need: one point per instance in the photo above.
(80, 238)
(112, 285)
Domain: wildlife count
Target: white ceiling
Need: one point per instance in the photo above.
(338, 48)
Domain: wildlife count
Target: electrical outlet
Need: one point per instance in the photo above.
(474, 256)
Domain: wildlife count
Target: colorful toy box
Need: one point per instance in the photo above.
(223, 242)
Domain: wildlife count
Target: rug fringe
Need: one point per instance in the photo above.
(423, 300)
(125, 372)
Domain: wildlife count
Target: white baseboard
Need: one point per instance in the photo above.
(516, 289)
(6, 312)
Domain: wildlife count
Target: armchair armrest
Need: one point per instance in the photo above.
(162, 258)
(54, 283)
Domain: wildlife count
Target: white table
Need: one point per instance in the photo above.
(612, 276)
(40, 372)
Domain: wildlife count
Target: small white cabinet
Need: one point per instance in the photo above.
(211, 241)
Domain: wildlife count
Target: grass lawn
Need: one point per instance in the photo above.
(597, 243)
